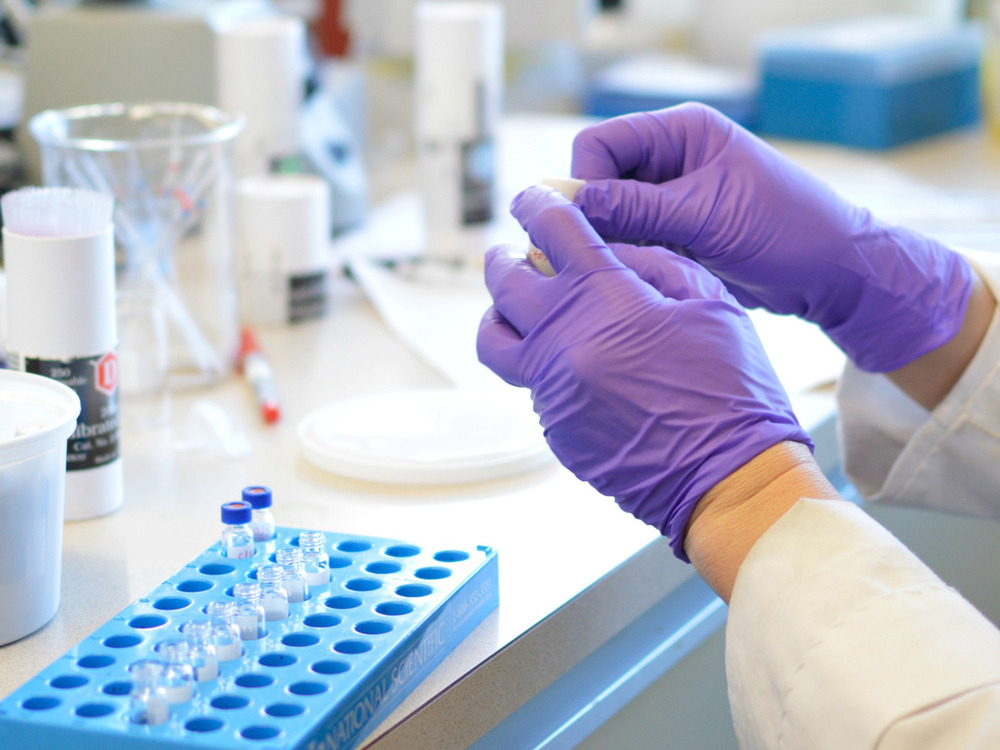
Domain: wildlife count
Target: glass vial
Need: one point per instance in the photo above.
(201, 645)
(317, 562)
(148, 702)
(273, 596)
(237, 538)
(262, 521)
(178, 675)
(225, 631)
(290, 558)
(249, 611)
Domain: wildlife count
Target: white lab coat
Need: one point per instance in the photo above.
(839, 637)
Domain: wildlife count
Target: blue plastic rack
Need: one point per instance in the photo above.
(322, 679)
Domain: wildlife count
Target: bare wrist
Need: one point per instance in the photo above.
(732, 516)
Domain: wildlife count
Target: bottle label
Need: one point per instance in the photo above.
(95, 380)
(306, 296)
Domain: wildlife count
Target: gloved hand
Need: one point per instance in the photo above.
(651, 389)
(690, 179)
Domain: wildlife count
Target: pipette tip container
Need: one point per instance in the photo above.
(325, 677)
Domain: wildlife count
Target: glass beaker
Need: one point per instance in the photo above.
(169, 167)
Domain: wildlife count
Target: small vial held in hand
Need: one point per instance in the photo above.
(237, 538)
(568, 187)
(262, 521)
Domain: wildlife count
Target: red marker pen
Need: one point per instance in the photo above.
(257, 370)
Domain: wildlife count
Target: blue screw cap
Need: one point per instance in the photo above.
(259, 497)
(237, 512)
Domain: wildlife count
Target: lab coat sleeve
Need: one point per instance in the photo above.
(896, 452)
(839, 638)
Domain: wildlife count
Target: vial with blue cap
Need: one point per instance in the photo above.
(262, 521)
(237, 537)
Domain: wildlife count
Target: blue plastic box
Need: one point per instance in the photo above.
(649, 82)
(321, 679)
(873, 83)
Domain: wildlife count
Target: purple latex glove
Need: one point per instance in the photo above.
(690, 179)
(651, 384)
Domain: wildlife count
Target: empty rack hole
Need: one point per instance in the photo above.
(300, 640)
(204, 724)
(122, 641)
(229, 702)
(402, 550)
(340, 562)
(354, 545)
(414, 590)
(94, 710)
(362, 584)
(393, 609)
(259, 732)
(321, 621)
(330, 666)
(145, 622)
(41, 703)
(95, 661)
(451, 556)
(277, 659)
(307, 688)
(373, 627)
(118, 687)
(352, 647)
(383, 567)
(216, 569)
(171, 603)
(194, 585)
(68, 681)
(254, 680)
(432, 573)
(284, 710)
(342, 602)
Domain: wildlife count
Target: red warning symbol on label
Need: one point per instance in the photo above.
(106, 371)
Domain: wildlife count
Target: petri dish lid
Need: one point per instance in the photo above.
(433, 436)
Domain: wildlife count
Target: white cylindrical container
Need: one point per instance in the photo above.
(458, 65)
(283, 246)
(260, 73)
(61, 324)
(37, 415)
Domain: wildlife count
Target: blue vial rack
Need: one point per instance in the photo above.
(322, 679)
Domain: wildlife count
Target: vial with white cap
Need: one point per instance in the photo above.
(262, 519)
(178, 673)
(290, 558)
(148, 702)
(225, 631)
(249, 610)
(198, 634)
(317, 562)
(273, 596)
(237, 538)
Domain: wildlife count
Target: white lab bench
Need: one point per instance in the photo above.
(593, 606)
